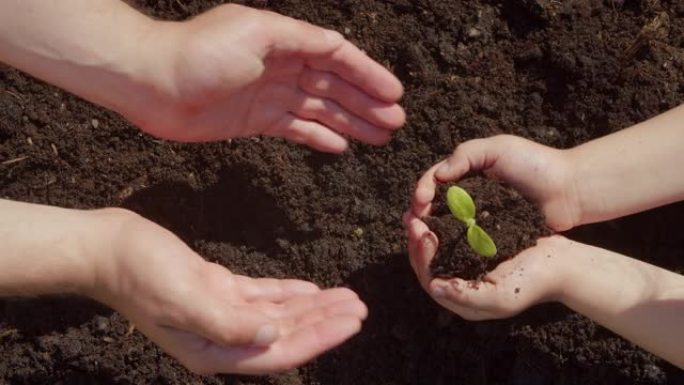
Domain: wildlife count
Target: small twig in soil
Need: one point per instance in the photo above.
(15, 160)
(48, 180)
(181, 5)
(15, 95)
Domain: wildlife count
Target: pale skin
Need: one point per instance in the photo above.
(231, 72)
(624, 173)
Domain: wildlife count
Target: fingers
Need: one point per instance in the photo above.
(471, 300)
(472, 294)
(298, 306)
(330, 86)
(308, 132)
(473, 155)
(232, 325)
(354, 308)
(425, 192)
(462, 297)
(422, 247)
(313, 323)
(351, 64)
(334, 116)
(289, 352)
(272, 290)
(328, 51)
(310, 341)
(285, 35)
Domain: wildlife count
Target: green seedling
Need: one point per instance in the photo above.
(463, 208)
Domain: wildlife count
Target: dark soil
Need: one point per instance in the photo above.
(513, 223)
(558, 72)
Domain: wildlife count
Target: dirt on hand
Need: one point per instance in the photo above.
(513, 223)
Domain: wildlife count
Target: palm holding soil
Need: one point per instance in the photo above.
(585, 184)
(542, 174)
(240, 72)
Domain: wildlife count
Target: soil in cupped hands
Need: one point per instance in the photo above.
(513, 222)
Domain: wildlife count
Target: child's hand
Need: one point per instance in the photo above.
(205, 316)
(236, 71)
(533, 276)
(542, 174)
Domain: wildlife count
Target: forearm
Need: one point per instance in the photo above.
(97, 49)
(633, 170)
(639, 301)
(46, 250)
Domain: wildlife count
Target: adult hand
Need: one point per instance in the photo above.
(230, 72)
(236, 71)
(531, 277)
(210, 319)
(542, 174)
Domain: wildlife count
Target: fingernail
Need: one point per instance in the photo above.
(428, 241)
(266, 335)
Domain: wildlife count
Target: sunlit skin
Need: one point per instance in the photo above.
(639, 301)
(231, 72)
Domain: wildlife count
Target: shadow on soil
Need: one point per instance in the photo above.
(232, 211)
(40, 316)
(417, 335)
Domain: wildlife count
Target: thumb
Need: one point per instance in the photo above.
(285, 35)
(220, 314)
(473, 155)
(234, 325)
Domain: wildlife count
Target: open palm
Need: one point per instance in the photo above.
(212, 320)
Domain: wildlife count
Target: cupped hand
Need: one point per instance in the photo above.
(542, 174)
(236, 71)
(210, 319)
(531, 277)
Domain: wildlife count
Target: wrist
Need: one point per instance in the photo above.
(107, 227)
(46, 250)
(571, 191)
(573, 268)
(573, 159)
(114, 61)
(151, 72)
(559, 256)
(141, 75)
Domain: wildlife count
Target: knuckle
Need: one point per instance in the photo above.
(465, 147)
(313, 107)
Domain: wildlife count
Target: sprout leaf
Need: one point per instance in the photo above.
(480, 241)
(460, 204)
